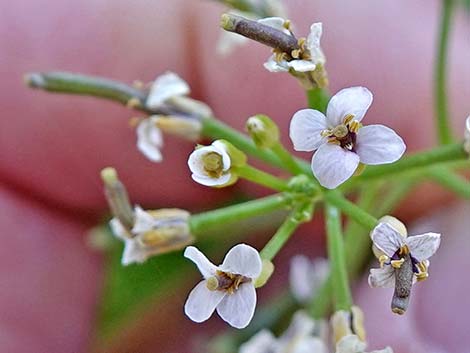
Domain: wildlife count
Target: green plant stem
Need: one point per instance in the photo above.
(287, 159)
(450, 180)
(283, 234)
(444, 132)
(347, 207)
(337, 257)
(318, 99)
(259, 177)
(71, 83)
(201, 222)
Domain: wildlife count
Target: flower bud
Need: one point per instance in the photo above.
(263, 131)
(348, 323)
(466, 144)
(266, 272)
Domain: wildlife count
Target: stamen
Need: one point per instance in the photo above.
(348, 118)
(340, 131)
(397, 263)
(213, 163)
(354, 126)
(383, 259)
(422, 271)
(404, 250)
(326, 133)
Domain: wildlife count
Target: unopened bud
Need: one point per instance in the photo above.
(237, 157)
(348, 323)
(185, 127)
(263, 131)
(266, 272)
(190, 106)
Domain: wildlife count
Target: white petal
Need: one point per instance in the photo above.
(244, 260)
(313, 43)
(263, 342)
(238, 308)
(467, 128)
(301, 285)
(202, 302)
(206, 268)
(118, 230)
(273, 66)
(387, 239)
(333, 165)
(305, 129)
(385, 350)
(221, 148)
(149, 139)
(310, 345)
(302, 65)
(350, 344)
(228, 42)
(382, 277)
(195, 162)
(378, 144)
(354, 100)
(166, 86)
(208, 181)
(423, 246)
(133, 253)
(275, 22)
(301, 326)
(143, 221)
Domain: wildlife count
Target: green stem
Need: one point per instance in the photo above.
(444, 132)
(200, 223)
(347, 207)
(293, 220)
(442, 154)
(67, 82)
(259, 177)
(450, 180)
(318, 99)
(337, 257)
(289, 161)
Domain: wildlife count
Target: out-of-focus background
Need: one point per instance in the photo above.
(57, 295)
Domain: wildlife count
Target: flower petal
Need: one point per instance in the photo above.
(302, 65)
(273, 66)
(275, 22)
(387, 239)
(118, 230)
(166, 86)
(208, 181)
(332, 165)
(228, 42)
(350, 344)
(149, 139)
(354, 100)
(262, 342)
(202, 302)
(382, 277)
(238, 308)
(310, 345)
(206, 267)
(143, 221)
(423, 246)
(132, 253)
(244, 260)
(378, 144)
(313, 43)
(221, 148)
(301, 284)
(305, 129)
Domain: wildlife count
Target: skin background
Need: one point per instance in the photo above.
(52, 148)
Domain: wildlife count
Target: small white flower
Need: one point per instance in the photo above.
(395, 248)
(153, 233)
(340, 140)
(467, 136)
(306, 276)
(210, 165)
(311, 54)
(352, 344)
(300, 337)
(228, 288)
(164, 87)
(150, 139)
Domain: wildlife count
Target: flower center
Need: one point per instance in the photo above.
(213, 164)
(344, 135)
(226, 281)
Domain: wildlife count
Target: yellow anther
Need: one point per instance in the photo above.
(295, 53)
(212, 283)
(134, 103)
(287, 24)
(397, 263)
(354, 126)
(382, 260)
(334, 141)
(348, 118)
(404, 250)
(422, 276)
(326, 133)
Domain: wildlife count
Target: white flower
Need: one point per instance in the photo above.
(352, 344)
(300, 337)
(310, 55)
(228, 288)
(150, 139)
(340, 140)
(154, 232)
(164, 87)
(395, 248)
(306, 276)
(210, 165)
(467, 136)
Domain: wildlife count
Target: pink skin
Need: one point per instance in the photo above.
(52, 147)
